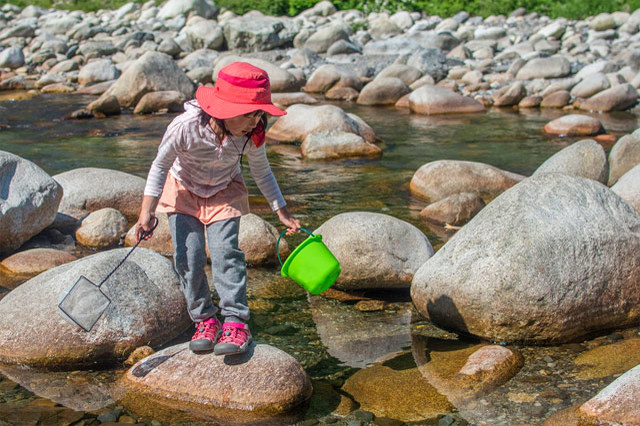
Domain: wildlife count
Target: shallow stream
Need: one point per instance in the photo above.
(334, 340)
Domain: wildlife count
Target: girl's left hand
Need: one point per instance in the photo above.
(289, 221)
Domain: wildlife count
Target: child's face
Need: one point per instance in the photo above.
(243, 124)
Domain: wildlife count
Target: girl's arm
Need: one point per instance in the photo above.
(263, 176)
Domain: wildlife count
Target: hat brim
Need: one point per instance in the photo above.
(222, 109)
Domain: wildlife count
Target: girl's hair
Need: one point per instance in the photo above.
(206, 118)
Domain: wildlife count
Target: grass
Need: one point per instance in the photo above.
(572, 9)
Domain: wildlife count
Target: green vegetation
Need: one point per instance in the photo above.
(573, 9)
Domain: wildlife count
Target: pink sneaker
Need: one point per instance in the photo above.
(207, 333)
(235, 339)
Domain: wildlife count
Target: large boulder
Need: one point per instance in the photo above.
(302, 120)
(263, 384)
(29, 200)
(147, 307)
(439, 179)
(152, 72)
(432, 100)
(255, 32)
(585, 158)
(374, 250)
(550, 260)
(89, 189)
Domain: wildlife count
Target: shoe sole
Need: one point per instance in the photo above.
(201, 345)
(231, 349)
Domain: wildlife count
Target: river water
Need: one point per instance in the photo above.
(334, 340)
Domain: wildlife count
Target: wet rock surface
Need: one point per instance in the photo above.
(265, 382)
(146, 306)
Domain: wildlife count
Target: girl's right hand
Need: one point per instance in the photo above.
(144, 226)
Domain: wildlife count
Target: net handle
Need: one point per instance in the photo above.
(144, 234)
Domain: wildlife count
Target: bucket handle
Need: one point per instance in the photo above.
(278, 243)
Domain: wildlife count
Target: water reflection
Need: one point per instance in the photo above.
(359, 338)
(78, 390)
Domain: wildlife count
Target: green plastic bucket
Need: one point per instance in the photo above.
(311, 264)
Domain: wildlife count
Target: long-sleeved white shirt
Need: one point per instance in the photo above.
(193, 154)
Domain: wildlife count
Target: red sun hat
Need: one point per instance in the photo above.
(240, 89)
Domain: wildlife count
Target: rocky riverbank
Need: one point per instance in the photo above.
(551, 259)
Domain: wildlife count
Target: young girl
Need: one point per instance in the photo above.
(196, 178)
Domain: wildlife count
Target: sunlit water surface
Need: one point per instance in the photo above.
(333, 340)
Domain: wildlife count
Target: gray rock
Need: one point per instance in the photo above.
(430, 61)
(199, 58)
(302, 120)
(439, 179)
(89, 189)
(255, 32)
(169, 100)
(342, 47)
(17, 31)
(585, 159)
(205, 34)
(147, 308)
(456, 209)
(98, 71)
(406, 73)
(29, 199)
(516, 272)
(624, 156)
(396, 45)
(152, 72)
(174, 8)
(617, 98)
(169, 47)
(102, 228)
(329, 76)
(11, 58)
(335, 144)
(374, 250)
(257, 239)
(628, 187)
(551, 67)
(432, 100)
(324, 37)
(97, 49)
(591, 85)
(383, 91)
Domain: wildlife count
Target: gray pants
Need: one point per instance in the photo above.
(227, 264)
